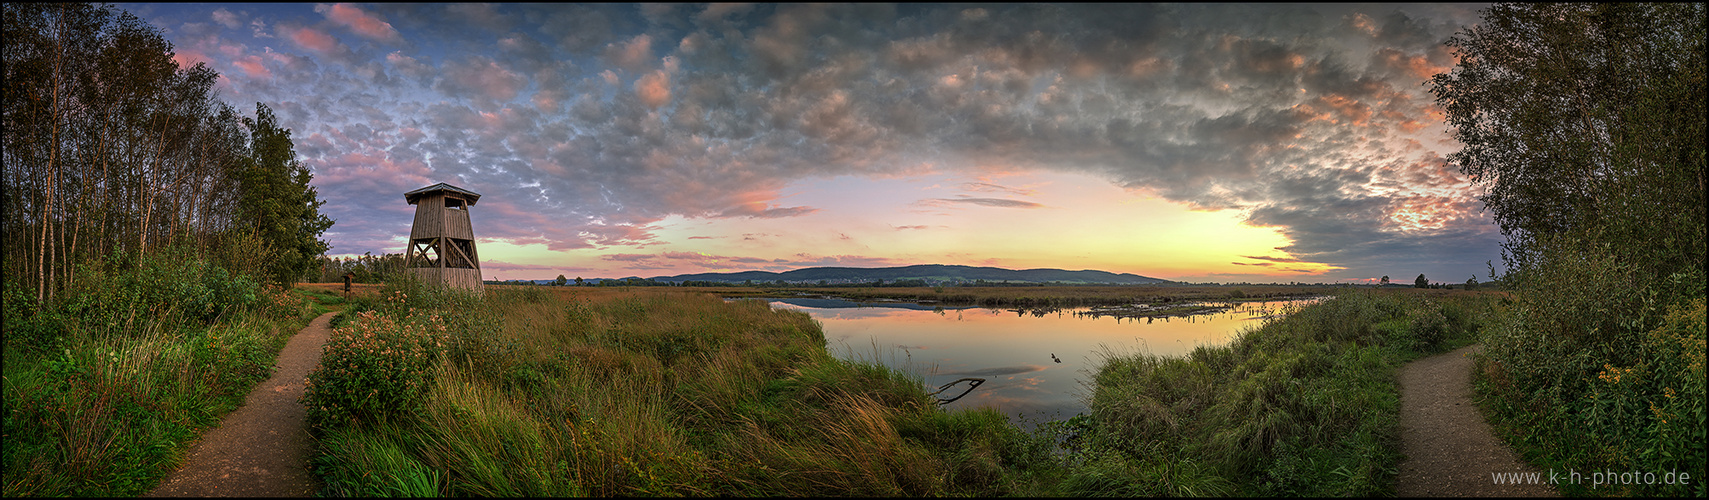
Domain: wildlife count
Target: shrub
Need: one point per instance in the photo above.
(1598, 367)
(374, 367)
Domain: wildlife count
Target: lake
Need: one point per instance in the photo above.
(1012, 350)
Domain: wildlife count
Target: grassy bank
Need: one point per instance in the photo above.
(108, 384)
(1305, 406)
(543, 391)
(534, 391)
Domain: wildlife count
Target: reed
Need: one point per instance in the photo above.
(658, 392)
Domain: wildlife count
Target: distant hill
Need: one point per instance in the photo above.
(930, 273)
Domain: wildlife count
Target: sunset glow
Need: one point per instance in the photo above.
(1186, 142)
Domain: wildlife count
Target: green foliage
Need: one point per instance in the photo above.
(132, 154)
(1306, 405)
(374, 367)
(1586, 123)
(277, 201)
(365, 268)
(29, 328)
(137, 316)
(1421, 282)
(1616, 357)
(106, 386)
(1586, 117)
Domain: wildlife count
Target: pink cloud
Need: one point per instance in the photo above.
(316, 41)
(188, 58)
(253, 66)
(631, 55)
(654, 89)
(484, 76)
(359, 22)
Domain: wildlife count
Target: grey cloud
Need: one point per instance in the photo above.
(770, 213)
(484, 15)
(991, 202)
(766, 95)
(479, 76)
(580, 28)
(227, 18)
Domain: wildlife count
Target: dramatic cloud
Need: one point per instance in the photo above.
(585, 126)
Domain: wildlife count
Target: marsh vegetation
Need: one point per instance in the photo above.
(542, 391)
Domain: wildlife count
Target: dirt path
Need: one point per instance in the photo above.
(263, 448)
(1450, 451)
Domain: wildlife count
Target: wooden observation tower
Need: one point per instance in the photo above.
(442, 241)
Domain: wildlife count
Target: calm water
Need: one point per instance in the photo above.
(1012, 350)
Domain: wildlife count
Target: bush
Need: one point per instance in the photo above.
(1598, 367)
(374, 367)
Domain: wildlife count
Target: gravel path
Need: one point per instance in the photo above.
(1450, 451)
(263, 448)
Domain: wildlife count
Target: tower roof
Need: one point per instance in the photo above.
(412, 196)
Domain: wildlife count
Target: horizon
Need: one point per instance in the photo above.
(1392, 280)
(1193, 143)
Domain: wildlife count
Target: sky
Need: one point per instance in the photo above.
(1199, 142)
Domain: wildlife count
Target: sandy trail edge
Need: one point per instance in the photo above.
(1450, 451)
(263, 448)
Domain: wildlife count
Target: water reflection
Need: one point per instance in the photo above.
(1033, 361)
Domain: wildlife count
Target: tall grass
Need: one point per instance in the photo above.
(1306, 405)
(660, 393)
(107, 386)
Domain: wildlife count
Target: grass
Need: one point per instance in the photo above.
(665, 392)
(1307, 405)
(107, 386)
(542, 391)
(654, 392)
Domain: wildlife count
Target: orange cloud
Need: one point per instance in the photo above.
(1350, 110)
(654, 89)
(1416, 66)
